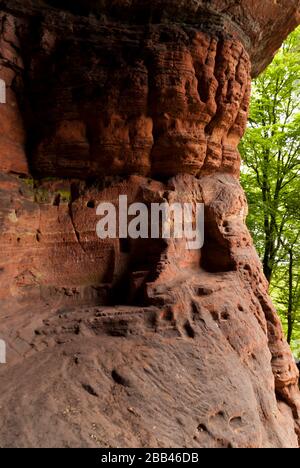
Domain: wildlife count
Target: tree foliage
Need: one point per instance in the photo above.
(270, 175)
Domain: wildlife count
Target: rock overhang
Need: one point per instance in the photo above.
(185, 64)
(260, 25)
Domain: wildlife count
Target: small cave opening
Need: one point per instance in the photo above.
(139, 260)
(91, 204)
(216, 252)
(75, 191)
(56, 201)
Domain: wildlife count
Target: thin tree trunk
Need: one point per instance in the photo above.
(290, 303)
(266, 266)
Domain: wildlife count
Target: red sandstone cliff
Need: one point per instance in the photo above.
(135, 343)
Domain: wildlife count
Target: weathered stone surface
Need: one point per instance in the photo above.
(185, 65)
(190, 92)
(207, 311)
(187, 71)
(12, 132)
(135, 342)
(261, 26)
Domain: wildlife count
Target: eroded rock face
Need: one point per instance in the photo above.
(190, 91)
(149, 101)
(185, 65)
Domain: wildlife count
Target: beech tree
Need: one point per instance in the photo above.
(270, 175)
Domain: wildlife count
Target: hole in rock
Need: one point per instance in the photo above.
(202, 428)
(236, 421)
(225, 315)
(91, 204)
(215, 315)
(89, 389)
(216, 252)
(164, 37)
(189, 330)
(169, 315)
(119, 379)
(75, 191)
(203, 90)
(56, 201)
(138, 266)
